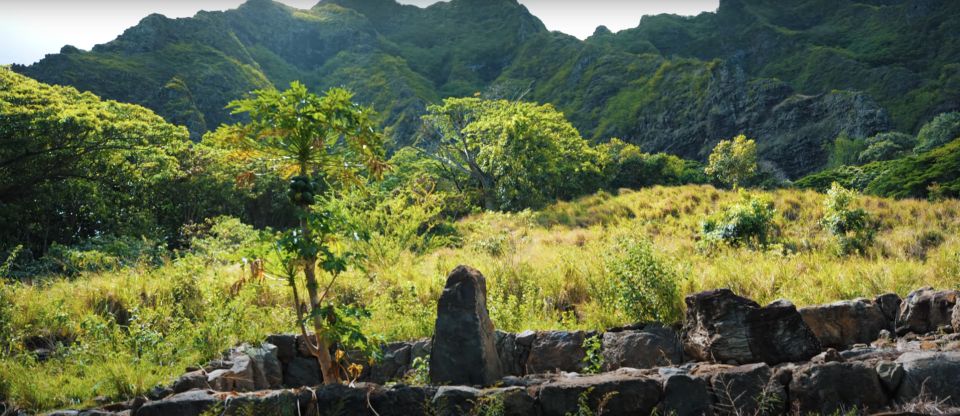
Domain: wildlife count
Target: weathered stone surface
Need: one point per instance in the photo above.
(935, 375)
(240, 377)
(890, 306)
(464, 345)
(455, 400)
(685, 396)
(516, 401)
(924, 310)
(723, 327)
(302, 371)
(513, 356)
(189, 381)
(891, 374)
(267, 369)
(647, 348)
(619, 394)
(358, 400)
(843, 324)
(556, 351)
(955, 318)
(747, 389)
(826, 388)
(395, 363)
(269, 403)
(286, 346)
(190, 403)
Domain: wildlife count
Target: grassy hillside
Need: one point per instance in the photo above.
(127, 329)
(793, 75)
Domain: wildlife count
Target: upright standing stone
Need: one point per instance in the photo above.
(464, 341)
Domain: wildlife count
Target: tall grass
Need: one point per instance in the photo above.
(124, 331)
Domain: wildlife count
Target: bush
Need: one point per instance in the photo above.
(941, 130)
(748, 222)
(644, 286)
(886, 146)
(852, 228)
(733, 162)
(104, 253)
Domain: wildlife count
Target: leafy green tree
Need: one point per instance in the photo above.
(326, 143)
(938, 132)
(852, 227)
(733, 162)
(886, 146)
(509, 155)
(626, 166)
(73, 166)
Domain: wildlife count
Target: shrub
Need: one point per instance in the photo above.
(644, 286)
(886, 146)
(733, 162)
(939, 131)
(852, 228)
(593, 358)
(104, 253)
(748, 222)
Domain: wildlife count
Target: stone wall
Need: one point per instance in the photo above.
(730, 356)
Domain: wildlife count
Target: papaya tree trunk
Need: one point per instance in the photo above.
(322, 351)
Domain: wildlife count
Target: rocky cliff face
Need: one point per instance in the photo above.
(792, 75)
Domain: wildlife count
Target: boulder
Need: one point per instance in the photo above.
(269, 403)
(190, 403)
(612, 394)
(361, 397)
(240, 377)
(685, 396)
(650, 347)
(556, 351)
(189, 381)
(513, 356)
(455, 400)
(890, 306)
(925, 310)
(267, 369)
(723, 327)
(286, 346)
(464, 347)
(955, 318)
(302, 372)
(394, 364)
(827, 388)
(931, 376)
(891, 374)
(747, 389)
(843, 324)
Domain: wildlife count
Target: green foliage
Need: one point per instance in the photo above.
(733, 162)
(104, 253)
(628, 167)
(584, 408)
(748, 222)
(851, 227)
(913, 176)
(886, 146)
(593, 358)
(643, 285)
(419, 374)
(845, 151)
(943, 129)
(512, 155)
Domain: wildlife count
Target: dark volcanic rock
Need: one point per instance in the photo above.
(189, 381)
(933, 375)
(843, 324)
(723, 327)
(955, 319)
(747, 389)
(826, 388)
(685, 396)
(556, 351)
(464, 344)
(513, 355)
(302, 372)
(619, 394)
(651, 347)
(924, 310)
(191, 403)
(395, 363)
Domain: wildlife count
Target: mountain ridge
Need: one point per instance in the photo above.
(782, 72)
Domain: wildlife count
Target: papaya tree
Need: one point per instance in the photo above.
(323, 143)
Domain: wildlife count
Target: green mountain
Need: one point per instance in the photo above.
(794, 74)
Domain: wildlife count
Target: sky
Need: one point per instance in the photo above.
(30, 29)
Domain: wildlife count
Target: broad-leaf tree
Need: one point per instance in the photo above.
(325, 143)
(733, 162)
(512, 155)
